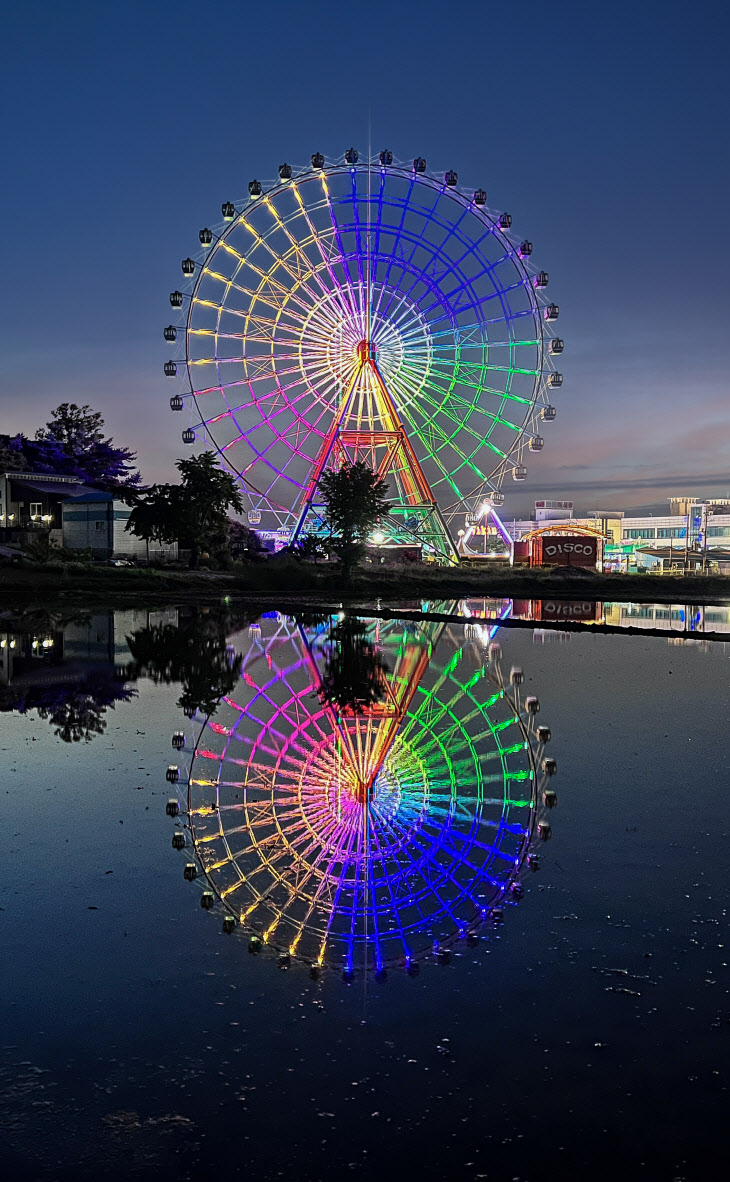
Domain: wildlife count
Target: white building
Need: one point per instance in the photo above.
(96, 521)
(703, 522)
(666, 531)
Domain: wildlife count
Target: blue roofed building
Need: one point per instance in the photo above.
(74, 515)
(97, 521)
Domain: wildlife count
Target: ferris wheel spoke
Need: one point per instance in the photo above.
(336, 287)
(415, 243)
(461, 414)
(360, 253)
(348, 835)
(253, 295)
(347, 859)
(383, 286)
(435, 437)
(374, 253)
(430, 274)
(399, 839)
(458, 308)
(396, 902)
(340, 252)
(440, 439)
(440, 264)
(304, 391)
(299, 276)
(433, 888)
(450, 403)
(483, 388)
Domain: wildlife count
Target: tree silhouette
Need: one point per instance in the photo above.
(355, 498)
(76, 709)
(308, 548)
(353, 678)
(72, 443)
(194, 653)
(193, 513)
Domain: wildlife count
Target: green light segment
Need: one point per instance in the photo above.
(483, 387)
(454, 402)
(500, 726)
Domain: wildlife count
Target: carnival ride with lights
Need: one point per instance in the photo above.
(367, 309)
(362, 838)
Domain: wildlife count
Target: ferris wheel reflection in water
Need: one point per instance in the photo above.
(368, 794)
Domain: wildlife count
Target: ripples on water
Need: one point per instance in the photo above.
(351, 931)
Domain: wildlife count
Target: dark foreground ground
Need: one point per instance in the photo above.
(287, 578)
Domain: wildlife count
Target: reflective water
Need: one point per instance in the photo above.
(683, 619)
(429, 969)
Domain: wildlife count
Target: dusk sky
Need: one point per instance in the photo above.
(603, 129)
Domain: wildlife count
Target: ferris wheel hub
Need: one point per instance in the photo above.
(366, 351)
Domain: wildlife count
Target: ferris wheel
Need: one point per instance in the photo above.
(366, 309)
(367, 840)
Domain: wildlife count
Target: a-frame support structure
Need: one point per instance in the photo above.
(367, 735)
(367, 428)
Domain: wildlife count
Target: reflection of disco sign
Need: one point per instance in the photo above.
(563, 609)
(568, 551)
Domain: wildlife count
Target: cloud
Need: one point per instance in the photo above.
(707, 480)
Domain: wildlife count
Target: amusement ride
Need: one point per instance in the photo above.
(366, 308)
(363, 836)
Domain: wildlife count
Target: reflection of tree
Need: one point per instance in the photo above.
(74, 701)
(354, 673)
(76, 709)
(194, 653)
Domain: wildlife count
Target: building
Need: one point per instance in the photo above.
(76, 516)
(694, 533)
(97, 521)
(31, 502)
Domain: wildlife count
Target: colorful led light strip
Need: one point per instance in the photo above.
(362, 840)
(297, 281)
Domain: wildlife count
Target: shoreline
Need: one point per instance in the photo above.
(267, 581)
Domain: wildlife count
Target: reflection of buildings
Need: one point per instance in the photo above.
(366, 837)
(69, 670)
(689, 618)
(36, 653)
(693, 618)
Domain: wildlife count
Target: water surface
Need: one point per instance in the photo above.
(585, 1030)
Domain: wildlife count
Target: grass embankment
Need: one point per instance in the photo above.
(285, 579)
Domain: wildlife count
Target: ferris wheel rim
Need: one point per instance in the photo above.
(265, 497)
(313, 931)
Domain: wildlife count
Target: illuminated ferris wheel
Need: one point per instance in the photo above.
(370, 838)
(366, 309)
